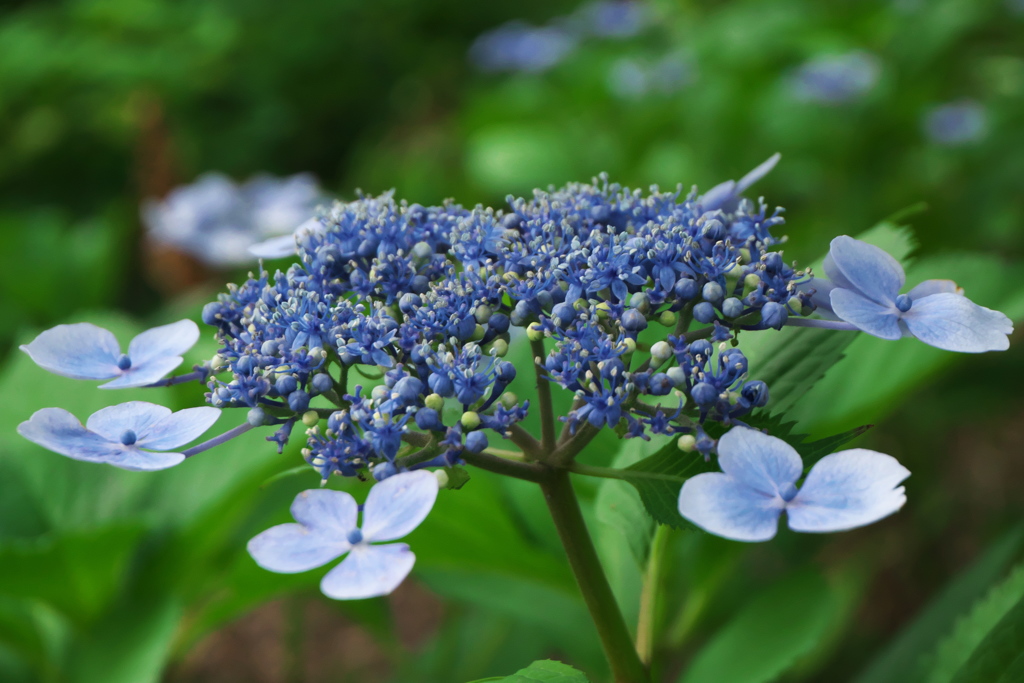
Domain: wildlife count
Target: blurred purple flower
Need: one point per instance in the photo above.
(217, 220)
(327, 530)
(517, 46)
(85, 351)
(743, 502)
(836, 79)
(133, 436)
(615, 18)
(956, 123)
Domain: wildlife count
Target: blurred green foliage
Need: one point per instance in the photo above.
(111, 577)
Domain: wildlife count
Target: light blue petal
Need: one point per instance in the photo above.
(764, 463)
(177, 429)
(144, 375)
(873, 318)
(955, 323)
(138, 416)
(165, 341)
(929, 287)
(291, 548)
(718, 196)
(847, 490)
(80, 351)
(57, 430)
(763, 169)
(725, 507)
(333, 513)
(864, 268)
(369, 571)
(397, 505)
(275, 247)
(137, 460)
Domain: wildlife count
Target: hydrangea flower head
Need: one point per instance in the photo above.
(865, 291)
(326, 529)
(136, 436)
(844, 490)
(85, 351)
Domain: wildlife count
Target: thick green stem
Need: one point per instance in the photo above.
(611, 627)
(646, 628)
(547, 412)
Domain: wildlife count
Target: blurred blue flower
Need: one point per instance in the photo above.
(836, 79)
(956, 123)
(327, 529)
(133, 436)
(517, 46)
(630, 78)
(216, 220)
(865, 292)
(85, 351)
(615, 18)
(726, 195)
(842, 491)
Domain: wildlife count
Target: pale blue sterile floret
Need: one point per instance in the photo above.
(864, 290)
(85, 351)
(759, 478)
(327, 529)
(136, 436)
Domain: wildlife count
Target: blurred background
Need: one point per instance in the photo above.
(906, 111)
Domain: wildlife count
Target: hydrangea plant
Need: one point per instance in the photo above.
(631, 302)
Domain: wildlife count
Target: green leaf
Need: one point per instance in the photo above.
(1000, 656)
(457, 477)
(900, 660)
(658, 479)
(954, 650)
(544, 671)
(769, 636)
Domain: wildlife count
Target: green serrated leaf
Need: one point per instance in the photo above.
(290, 472)
(800, 357)
(546, 671)
(1000, 656)
(457, 477)
(954, 651)
(659, 477)
(769, 636)
(900, 660)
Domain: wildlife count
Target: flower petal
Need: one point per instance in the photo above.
(177, 429)
(764, 463)
(137, 460)
(864, 268)
(291, 548)
(822, 288)
(332, 513)
(398, 504)
(275, 247)
(847, 490)
(369, 571)
(146, 374)
(80, 351)
(165, 341)
(57, 430)
(138, 416)
(725, 507)
(877, 319)
(929, 287)
(718, 196)
(763, 169)
(955, 323)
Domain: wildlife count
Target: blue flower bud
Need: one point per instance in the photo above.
(270, 347)
(563, 314)
(429, 420)
(384, 470)
(298, 400)
(476, 442)
(640, 302)
(441, 384)
(633, 320)
(463, 329)
(677, 375)
(774, 315)
(903, 303)
(368, 247)
(713, 230)
(713, 292)
(545, 300)
(245, 365)
(124, 362)
(660, 384)
(521, 314)
(704, 394)
(356, 536)
(256, 417)
(408, 389)
(506, 372)
(704, 312)
(420, 284)
(409, 303)
(773, 262)
(755, 393)
(322, 383)
(499, 323)
(732, 307)
(685, 288)
(128, 437)
(286, 384)
(211, 311)
(511, 221)
(701, 347)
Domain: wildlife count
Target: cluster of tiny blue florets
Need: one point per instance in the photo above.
(428, 299)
